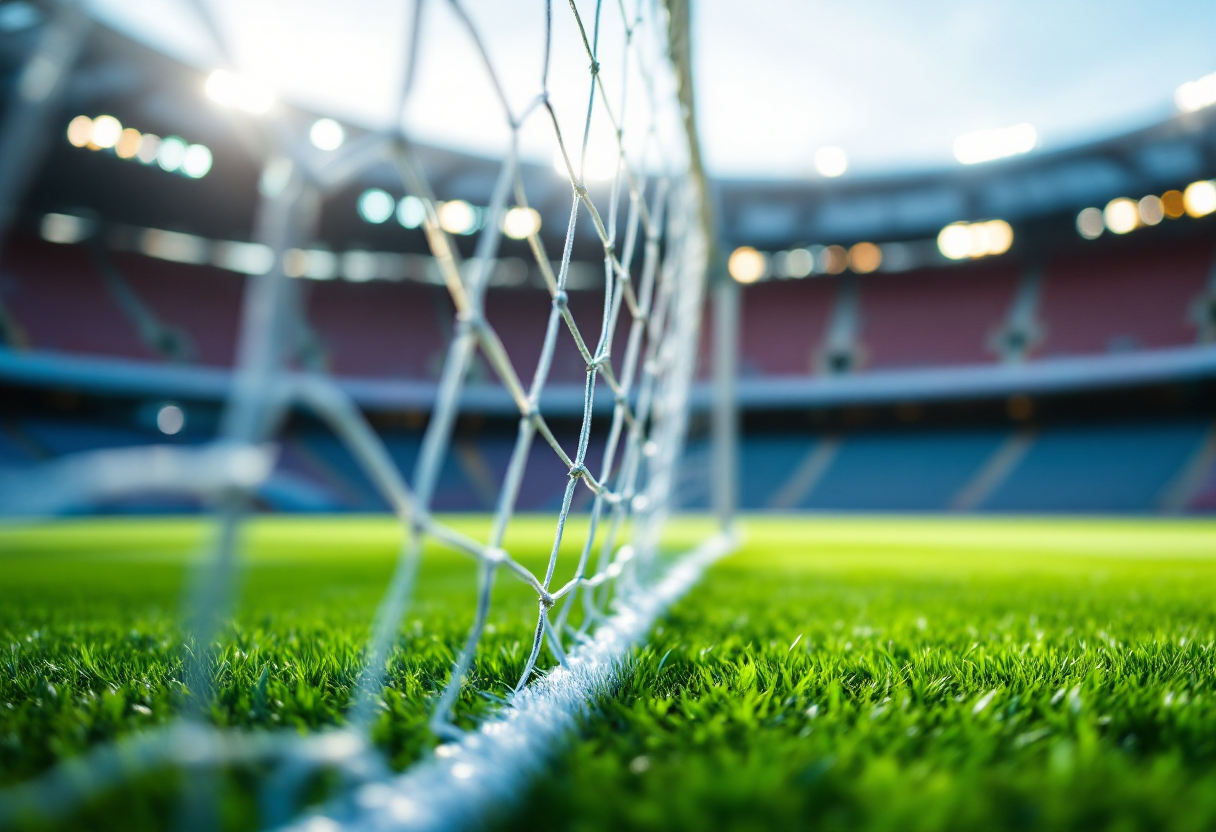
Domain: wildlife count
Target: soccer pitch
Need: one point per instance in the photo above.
(834, 673)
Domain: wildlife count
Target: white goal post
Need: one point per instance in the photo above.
(656, 232)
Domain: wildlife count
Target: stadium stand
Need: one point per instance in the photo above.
(935, 317)
(1122, 299)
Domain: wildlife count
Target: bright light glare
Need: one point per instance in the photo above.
(170, 419)
(196, 161)
(1000, 236)
(601, 164)
(1195, 95)
(1090, 224)
(106, 131)
(326, 134)
(1122, 215)
(747, 265)
(520, 223)
(987, 145)
(171, 153)
(1199, 198)
(376, 206)
(831, 162)
(954, 241)
(457, 217)
(80, 131)
(223, 87)
(411, 213)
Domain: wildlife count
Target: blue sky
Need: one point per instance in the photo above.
(890, 81)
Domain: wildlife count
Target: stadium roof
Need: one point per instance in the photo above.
(893, 84)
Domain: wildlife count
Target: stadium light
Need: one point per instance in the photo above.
(1195, 95)
(831, 162)
(128, 144)
(746, 265)
(170, 419)
(326, 134)
(865, 258)
(196, 161)
(963, 240)
(1199, 198)
(375, 206)
(171, 153)
(149, 148)
(989, 145)
(411, 213)
(1090, 224)
(1173, 204)
(106, 131)
(835, 259)
(1122, 215)
(80, 131)
(799, 263)
(231, 90)
(954, 241)
(520, 223)
(1152, 212)
(458, 217)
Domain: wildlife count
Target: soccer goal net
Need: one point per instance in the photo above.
(629, 121)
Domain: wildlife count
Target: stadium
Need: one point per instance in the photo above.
(456, 414)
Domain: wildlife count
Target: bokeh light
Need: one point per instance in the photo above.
(1090, 224)
(376, 206)
(411, 213)
(196, 161)
(954, 241)
(520, 223)
(171, 153)
(170, 419)
(1199, 198)
(1173, 204)
(106, 131)
(326, 134)
(1151, 210)
(799, 263)
(746, 265)
(865, 258)
(128, 144)
(1121, 215)
(80, 131)
(458, 217)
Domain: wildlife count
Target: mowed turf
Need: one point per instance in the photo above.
(860, 673)
(870, 674)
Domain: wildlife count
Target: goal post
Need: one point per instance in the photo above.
(654, 223)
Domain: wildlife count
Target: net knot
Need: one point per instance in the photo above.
(561, 299)
(547, 601)
(494, 555)
(595, 68)
(578, 471)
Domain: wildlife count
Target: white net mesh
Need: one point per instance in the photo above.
(650, 222)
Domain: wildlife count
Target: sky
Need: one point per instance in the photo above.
(891, 82)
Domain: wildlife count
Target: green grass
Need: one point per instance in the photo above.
(865, 673)
(918, 675)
